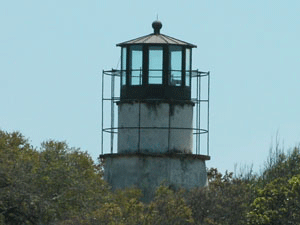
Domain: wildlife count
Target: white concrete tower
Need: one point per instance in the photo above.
(155, 117)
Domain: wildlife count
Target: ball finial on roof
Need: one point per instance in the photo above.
(157, 25)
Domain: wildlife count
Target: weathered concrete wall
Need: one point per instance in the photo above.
(159, 117)
(148, 172)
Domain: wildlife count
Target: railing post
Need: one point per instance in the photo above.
(102, 112)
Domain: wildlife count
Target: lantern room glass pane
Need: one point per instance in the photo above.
(123, 65)
(175, 65)
(155, 65)
(136, 65)
(188, 67)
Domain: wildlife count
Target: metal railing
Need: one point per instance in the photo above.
(111, 83)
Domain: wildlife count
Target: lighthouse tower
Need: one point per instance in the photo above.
(158, 131)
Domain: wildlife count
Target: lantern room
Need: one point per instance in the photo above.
(156, 66)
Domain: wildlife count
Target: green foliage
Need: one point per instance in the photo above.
(68, 181)
(18, 202)
(277, 196)
(124, 207)
(61, 185)
(225, 201)
(280, 164)
(277, 203)
(169, 207)
(121, 207)
(47, 185)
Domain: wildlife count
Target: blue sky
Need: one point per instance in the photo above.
(52, 54)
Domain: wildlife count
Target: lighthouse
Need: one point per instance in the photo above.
(156, 129)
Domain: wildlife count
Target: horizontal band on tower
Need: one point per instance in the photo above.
(162, 155)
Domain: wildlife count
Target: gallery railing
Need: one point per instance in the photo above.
(111, 83)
